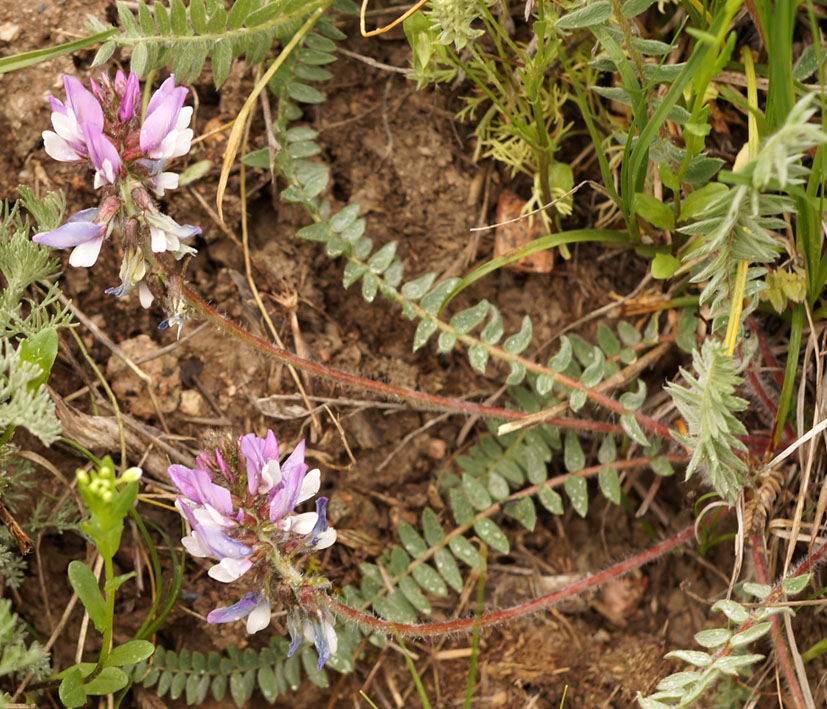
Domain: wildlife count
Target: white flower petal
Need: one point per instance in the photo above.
(326, 539)
(145, 295)
(159, 239)
(259, 617)
(310, 485)
(270, 476)
(58, 149)
(228, 570)
(84, 255)
(330, 636)
(194, 545)
(303, 524)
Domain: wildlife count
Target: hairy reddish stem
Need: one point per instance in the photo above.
(538, 604)
(388, 390)
(779, 641)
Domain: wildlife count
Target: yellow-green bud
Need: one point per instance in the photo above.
(131, 475)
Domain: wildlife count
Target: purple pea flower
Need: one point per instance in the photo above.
(165, 134)
(85, 231)
(254, 606)
(240, 503)
(78, 132)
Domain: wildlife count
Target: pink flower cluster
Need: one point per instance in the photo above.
(240, 502)
(129, 157)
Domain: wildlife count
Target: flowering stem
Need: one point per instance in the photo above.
(467, 624)
(388, 390)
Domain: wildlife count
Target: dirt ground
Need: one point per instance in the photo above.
(406, 160)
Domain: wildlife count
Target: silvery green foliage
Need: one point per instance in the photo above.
(452, 20)
(708, 405)
(24, 263)
(187, 34)
(728, 654)
(737, 223)
(23, 400)
(15, 656)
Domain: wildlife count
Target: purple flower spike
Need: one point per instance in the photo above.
(80, 232)
(164, 133)
(254, 607)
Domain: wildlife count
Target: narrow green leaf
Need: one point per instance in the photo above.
(128, 21)
(222, 59)
(693, 657)
(178, 17)
(750, 634)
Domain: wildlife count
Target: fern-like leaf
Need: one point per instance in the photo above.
(708, 405)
